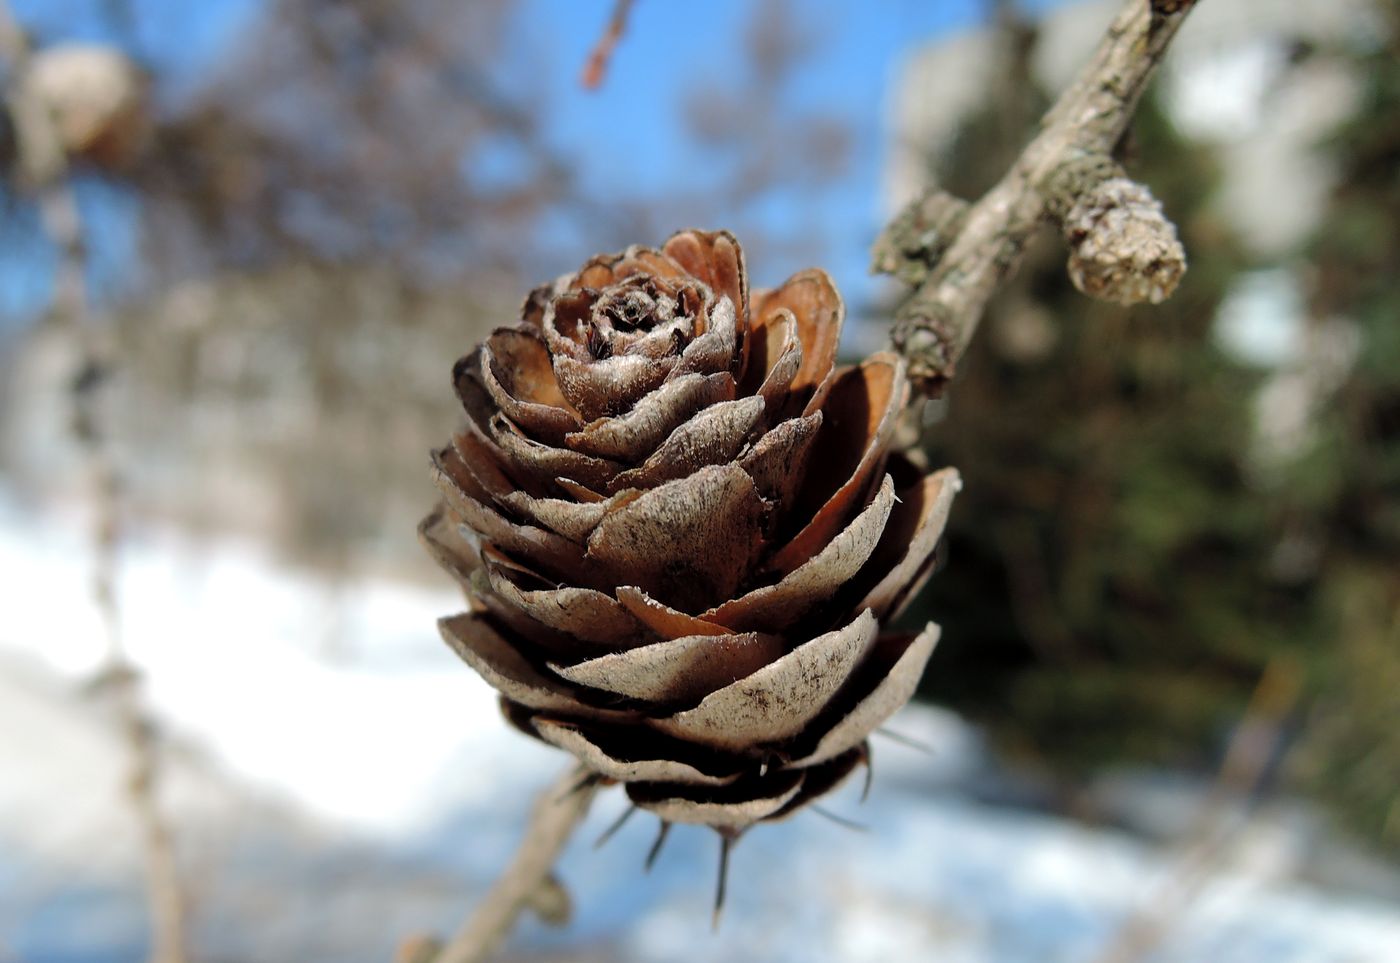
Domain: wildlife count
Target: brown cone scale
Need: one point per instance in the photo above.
(681, 530)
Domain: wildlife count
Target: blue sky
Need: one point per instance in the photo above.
(858, 47)
(178, 37)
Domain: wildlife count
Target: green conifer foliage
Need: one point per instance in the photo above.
(1107, 596)
(1123, 565)
(1346, 484)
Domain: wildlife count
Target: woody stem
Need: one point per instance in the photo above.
(556, 814)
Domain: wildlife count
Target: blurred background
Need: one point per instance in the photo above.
(241, 244)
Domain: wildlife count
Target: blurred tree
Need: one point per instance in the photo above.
(343, 202)
(1107, 596)
(359, 131)
(1343, 486)
(1130, 551)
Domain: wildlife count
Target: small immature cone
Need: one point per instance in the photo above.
(680, 530)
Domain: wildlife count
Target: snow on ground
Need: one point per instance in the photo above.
(364, 730)
(335, 794)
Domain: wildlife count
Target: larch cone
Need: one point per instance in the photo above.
(681, 529)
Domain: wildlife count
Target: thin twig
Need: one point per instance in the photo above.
(1248, 758)
(44, 161)
(982, 244)
(597, 66)
(557, 813)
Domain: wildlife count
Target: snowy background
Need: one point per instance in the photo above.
(330, 803)
(336, 780)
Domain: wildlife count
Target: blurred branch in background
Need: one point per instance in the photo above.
(557, 813)
(597, 66)
(1250, 759)
(44, 147)
(302, 271)
(272, 160)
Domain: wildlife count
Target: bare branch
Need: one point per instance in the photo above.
(529, 882)
(934, 327)
(597, 66)
(45, 163)
(1251, 754)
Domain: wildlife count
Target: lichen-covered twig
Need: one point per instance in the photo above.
(1123, 249)
(556, 814)
(44, 166)
(1121, 246)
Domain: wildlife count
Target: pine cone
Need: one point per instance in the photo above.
(680, 530)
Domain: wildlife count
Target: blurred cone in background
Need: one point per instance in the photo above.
(97, 99)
